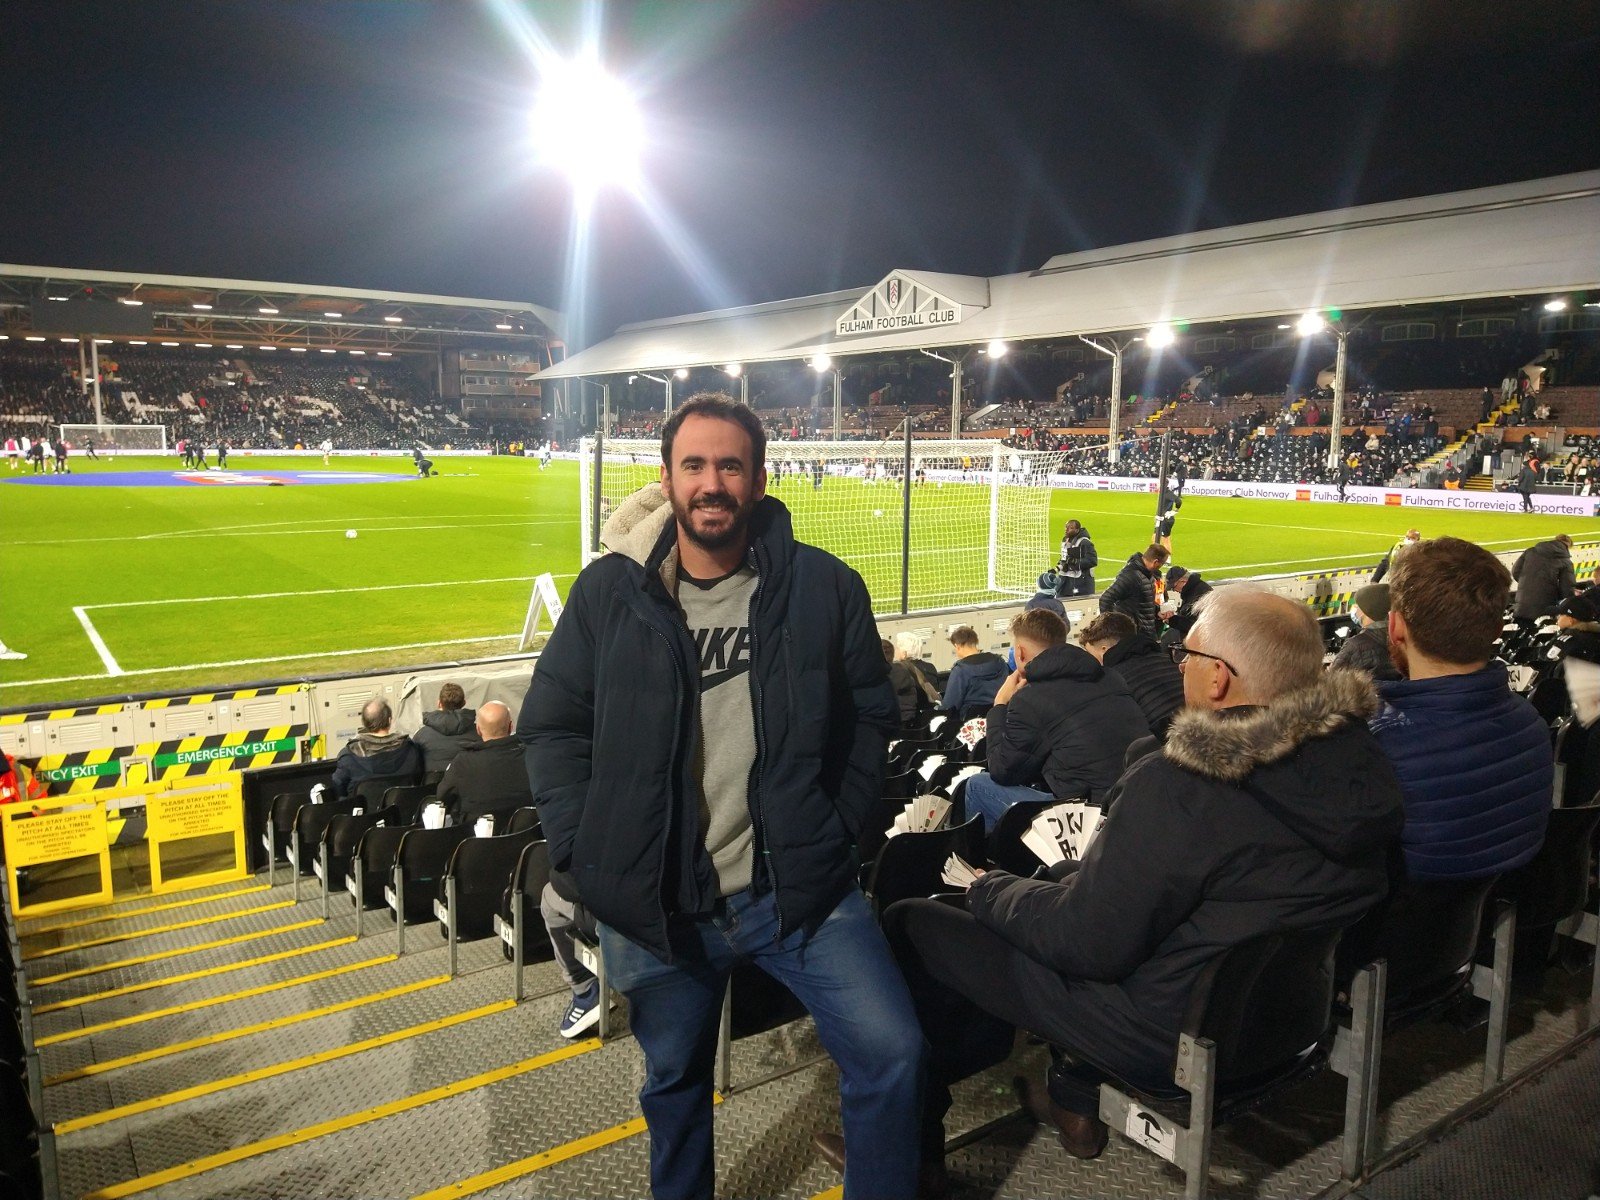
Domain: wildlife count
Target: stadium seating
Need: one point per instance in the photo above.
(518, 923)
(911, 864)
(420, 862)
(473, 883)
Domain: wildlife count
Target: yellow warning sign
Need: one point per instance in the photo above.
(193, 812)
(62, 829)
(55, 834)
(179, 811)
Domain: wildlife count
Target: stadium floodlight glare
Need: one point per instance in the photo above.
(169, 343)
(35, 337)
(502, 325)
(996, 349)
(1160, 336)
(327, 350)
(681, 373)
(297, 349)
(267, 310)
(586, 125)
(102, 341)
(358, 352)
(5, 337)
(733, 370)
(266, 347)
(130, 302)
(133, 342)
(201, 307)
(334, 315)
(63, 299)
(69, 339)
(202, 345)
(385, 354)
(394, 320)
(1559, 304)
(1311, 324)
(821, 362)
(233, 346)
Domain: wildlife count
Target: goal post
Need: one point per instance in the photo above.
(116, 439)
(979, 513)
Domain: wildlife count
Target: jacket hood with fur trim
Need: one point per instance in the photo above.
(637, 527)
(1307, 757)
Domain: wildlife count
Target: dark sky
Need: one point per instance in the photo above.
(797, 146)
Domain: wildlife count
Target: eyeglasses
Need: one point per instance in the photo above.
(1178, 652)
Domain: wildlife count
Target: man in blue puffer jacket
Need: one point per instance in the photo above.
(1474, 760)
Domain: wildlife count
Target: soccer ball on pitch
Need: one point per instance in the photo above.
(877, 512)
(349, 533)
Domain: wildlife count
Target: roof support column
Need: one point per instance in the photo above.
(955, 399)
(94, 370)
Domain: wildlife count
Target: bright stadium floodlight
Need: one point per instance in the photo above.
(130, 302)
(586, 125)
(394, 320)
(1310, 324)
(821, 362)
(267, 310)
(733, 370)
(681, 373)
(1160, 336)
(201, 307)
(1559, 304)
(996, 349)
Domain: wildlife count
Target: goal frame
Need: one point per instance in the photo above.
(82, 430)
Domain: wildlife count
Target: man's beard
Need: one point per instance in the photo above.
(1397, 655)
(732, 535)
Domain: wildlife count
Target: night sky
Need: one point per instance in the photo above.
(795, 146)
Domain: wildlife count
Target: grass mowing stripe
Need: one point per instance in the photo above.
(228, 1035)
(211, 1162)
(213, 1001)
(163, 955)
(190, 976)
(213, 1086)
(25, 934)
(132, 934)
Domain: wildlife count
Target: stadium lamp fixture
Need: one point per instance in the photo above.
(201, 307)
(297, 349)
(394, 320)
(169, 343)
(1311, 324)
(267, 310)
(358, 352)
(996, 349)
(586, 125)
(327, 350)
(62, 299)
(501, 325)
(1160, 336)
(733, 370)
(1559, 304)
(69, 339)
(266, 347)
(385, 354)
(131, 342)
(335, 315)
(821, 362)
(130, 302)
(5, 337)
(34, 337)
(102, 341)
(233, 346)
(202, 345)
(681, 373)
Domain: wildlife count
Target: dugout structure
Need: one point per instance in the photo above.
(967, 524)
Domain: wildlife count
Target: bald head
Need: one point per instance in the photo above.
(1271, 645)
(494, 721)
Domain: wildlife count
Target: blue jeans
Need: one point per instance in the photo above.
(845, 976)
(990, 800)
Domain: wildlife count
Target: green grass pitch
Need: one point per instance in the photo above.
(211, 586)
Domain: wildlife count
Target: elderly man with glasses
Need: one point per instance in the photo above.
(1270, 808)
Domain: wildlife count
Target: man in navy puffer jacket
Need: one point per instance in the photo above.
(1474, 760)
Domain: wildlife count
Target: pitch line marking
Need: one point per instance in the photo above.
(98, 642)
(467, 521)
(380, 587)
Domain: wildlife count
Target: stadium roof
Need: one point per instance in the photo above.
(1538, 237)
(191, 309)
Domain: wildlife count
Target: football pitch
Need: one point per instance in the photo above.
(112, 590)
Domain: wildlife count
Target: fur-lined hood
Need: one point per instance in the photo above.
(1307, 758)
(637, 527)
(1229, 748)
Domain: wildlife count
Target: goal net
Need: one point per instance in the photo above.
(979, 519)
(142, 439)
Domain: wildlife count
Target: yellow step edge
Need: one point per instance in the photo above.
(53, 1039)
(163, 955)
(272, 1071)
(228, 1035)
(211, 1162)
(134, 934)
(25, 934)
(189, 976)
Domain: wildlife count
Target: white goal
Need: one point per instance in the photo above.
(979, 512)
(116, 439)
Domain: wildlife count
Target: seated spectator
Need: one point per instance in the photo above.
(1580, 614)
(1544, 577)
(1473, 759)
(974, 679)
(912, 692)
(1048, 595)
(1140, 662)
(1133, 591)
(488, 776)
(1368, 649)
(908, 649)
(376, 752)
(1059, 727)
(445, 731)
(1190, 590)
(1270, 808)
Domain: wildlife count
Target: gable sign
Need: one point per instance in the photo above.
(898, 303)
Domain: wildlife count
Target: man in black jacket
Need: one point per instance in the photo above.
(1190, 589)
(1368, 649)
(1060, 723)
(1078, 561)
(705, 738)
(1270, 808)
(376, 752)
(488, 777)
(1140, 662)
(1133, 591)
(446, 731)
(1545, 577)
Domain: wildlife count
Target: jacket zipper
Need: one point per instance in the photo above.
(758, 811)
(675, 797)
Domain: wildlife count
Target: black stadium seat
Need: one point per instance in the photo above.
(473, 882)
(420, 862)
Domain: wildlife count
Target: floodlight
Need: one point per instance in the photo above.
(102, 341)
(385, 354)
(297, 349)
(394, 320)
(820, 362)
(1559, 304)
(681, 373)
(131, 303)
(733, 369)
(169, 343)
(267, 310)
(229, 346)
(202, 345)
(1310, 324)
(34, 337)
(266, 347)
(69, 339)
(631, 378)
(996, 349)
(327, 350)
(1160, 336)
(358, 352)
(334, 315)
(586, 124)
(131, 342)
(502, 325)
(201, 307)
